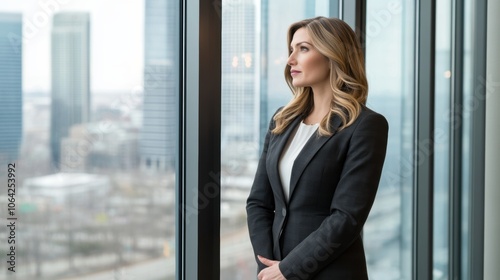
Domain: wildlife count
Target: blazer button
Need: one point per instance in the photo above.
(283, 212)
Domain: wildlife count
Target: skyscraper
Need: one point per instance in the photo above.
(239, 70)
(70, 76)
(10, 85)
(158, 144)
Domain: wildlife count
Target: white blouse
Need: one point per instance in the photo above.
(291, 152)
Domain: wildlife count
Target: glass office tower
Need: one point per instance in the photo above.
(70, 78)
(11, 88)
(157, 144)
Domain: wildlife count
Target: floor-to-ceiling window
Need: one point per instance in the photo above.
(390, 30)
(254, 54)
(88, 123)
(89, 134)
(425, 65)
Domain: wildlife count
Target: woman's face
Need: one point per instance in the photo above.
(308, 67)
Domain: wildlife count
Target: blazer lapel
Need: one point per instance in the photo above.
(312, 146)
(277, 149)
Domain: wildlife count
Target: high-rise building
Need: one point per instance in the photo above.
(239, 71)
(10, 85)
(70, 76)
(158, 138)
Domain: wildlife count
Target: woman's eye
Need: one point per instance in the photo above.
(304, 49)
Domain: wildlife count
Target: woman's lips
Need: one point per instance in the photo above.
(294, 72)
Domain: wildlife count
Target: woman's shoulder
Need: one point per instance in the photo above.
(369, 117)
(370, 113)
(277, 112)
(272, 122)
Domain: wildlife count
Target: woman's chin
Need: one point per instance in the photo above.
(297, 84)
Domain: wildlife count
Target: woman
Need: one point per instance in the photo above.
(321, 162)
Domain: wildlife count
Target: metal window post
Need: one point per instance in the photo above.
(424, 146)
(198, 199)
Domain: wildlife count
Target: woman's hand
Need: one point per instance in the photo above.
(272, 272)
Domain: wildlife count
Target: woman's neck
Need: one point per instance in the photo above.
(321, 107)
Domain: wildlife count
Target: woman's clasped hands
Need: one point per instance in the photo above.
(272, 272)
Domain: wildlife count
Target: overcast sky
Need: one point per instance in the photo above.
(117, 28)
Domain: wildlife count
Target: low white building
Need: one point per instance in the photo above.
(68, 189)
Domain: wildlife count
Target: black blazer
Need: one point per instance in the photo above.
(317, 234)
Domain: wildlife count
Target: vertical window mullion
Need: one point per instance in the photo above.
(477, 134)
(187, 194)
(424, 147)
(455, 160)
(198, 235)
(354, 14)
(209, 165)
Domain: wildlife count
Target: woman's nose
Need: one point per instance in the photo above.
(291, 59)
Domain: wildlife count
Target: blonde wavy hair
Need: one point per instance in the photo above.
(334, 39)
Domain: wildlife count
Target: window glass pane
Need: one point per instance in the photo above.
(389, 65)
(254, 55)
(88, 116)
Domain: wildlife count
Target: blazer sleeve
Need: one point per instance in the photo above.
(351, 203)
(260, 208)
